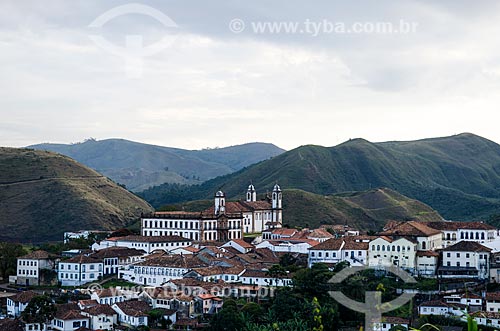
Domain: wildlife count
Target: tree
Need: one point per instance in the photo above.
(253, 311)
(229, 318)
(8, 258)
(276, 272)
(40, 310)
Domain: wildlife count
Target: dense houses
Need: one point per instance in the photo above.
(184, 264)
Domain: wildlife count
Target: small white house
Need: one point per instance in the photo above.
(17, 303)
(288, 246)
(240, 245)
(68, 317)
(132, 313)
(102, 317)
(388, 322)
(493, 302)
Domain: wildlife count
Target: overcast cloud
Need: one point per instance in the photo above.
(212, 87)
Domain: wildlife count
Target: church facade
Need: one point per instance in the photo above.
(225, 221)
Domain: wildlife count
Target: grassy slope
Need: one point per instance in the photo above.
(43, 194)
(140, 166)
(459, 176)
(368, 210)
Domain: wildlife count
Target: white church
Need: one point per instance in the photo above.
(226, 220)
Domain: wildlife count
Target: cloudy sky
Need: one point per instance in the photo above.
(194, 74)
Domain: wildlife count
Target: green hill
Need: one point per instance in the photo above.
(459, 176)
(368, 210)
(43, 194)
(140, 166)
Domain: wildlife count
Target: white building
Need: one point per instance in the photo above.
(116, 257)
(102, 317)
(385, 252)
(240, 245)
(79, 270)
(82, 234)
(493, 302)
(222, 222)
(350, 249)
(452, 232)
(439, 308)
(17, 303)
(426, 237)
(161, 269)
(465, 259)
(388, 322)
(471, 301)
(29, 268)
(427, 263)
(147, 244)
(108, 296)
(491, 319)
(288, 245)
(132, 313)
(68, 317)
(210, 274)
(262, 278)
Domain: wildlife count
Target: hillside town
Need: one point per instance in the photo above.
(185, 265)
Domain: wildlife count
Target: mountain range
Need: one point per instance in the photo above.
(44, 194)
(139, 166)
(459, 176)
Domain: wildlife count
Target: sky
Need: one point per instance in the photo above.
(196, 74)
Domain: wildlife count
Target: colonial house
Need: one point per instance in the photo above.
(465, 259)
(172, 298)
(452, 232)
(350, 249)
(471, 301)
(385, 252)
(132, 313)
(18, 302)
(281, 233)
(424, 236)
(108, 296)
(79, 270)
(145, 243)
(222, 222)
(288, 245)
(160, 269)
(439, 308)
(208, 304)
(115, 257)
(68, 317)
(102, 317)
(30, 266)
(240, 245)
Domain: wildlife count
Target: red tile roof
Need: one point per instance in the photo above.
(467, 246)
(24, 297)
